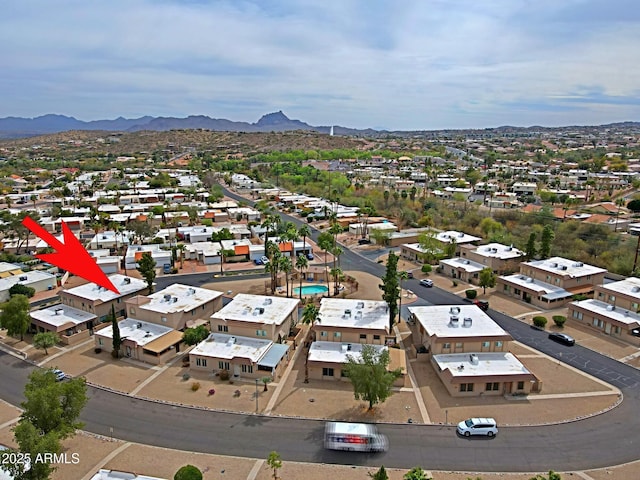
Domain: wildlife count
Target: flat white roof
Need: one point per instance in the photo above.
(125, 285)
(629, 287)
(336, 352)
(353, 313)
(500, 363)
(463, 263)
(257, 308)
(179, 298)
(8, 267)
(459, 237)
(532, 283)
(208, 249)
(27, 278)
(498, 250)
(563, 266)
(221, 345)
(607, 310)
(61, 314)
(104, 474)
(436, 320)
(136, 330)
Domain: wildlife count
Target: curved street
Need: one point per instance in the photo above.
(603, 440)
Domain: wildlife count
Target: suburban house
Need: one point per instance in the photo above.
(70, 324)
(98, 300)
(461, 268)
(414, 252)
(257, 316)
(325, 360)
(37, 279)
(240, 356)
(613, 310)
(177, 306)
(144, 341)
(498, 257)
(470, 352)
(459, 238)
(135, 252)
(551, 283)
(353, 321)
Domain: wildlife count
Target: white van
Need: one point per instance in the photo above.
(478, 426)
(357, 437)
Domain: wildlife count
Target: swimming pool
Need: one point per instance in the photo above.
(311, 289)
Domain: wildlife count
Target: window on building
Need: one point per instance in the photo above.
(323, 334)
(223, 328)
(132, 311)
(201, 362)
(337, 334)
(498, 344)
(466, 387)
(612, 298)
(327, 372)
(446, 345)
(223, 365)
(598, 323)
(520, 386)
(247, 368)
(486, 344)
(634, 306)
(118, 300)
(163, 319)
(492, 386)
(363, 336)
(458, 344)
(100, 342)
(376, 337)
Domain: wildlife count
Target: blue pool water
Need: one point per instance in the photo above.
(311, 289)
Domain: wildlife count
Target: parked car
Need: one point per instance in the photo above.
(364, 241)
(425, 282)
(482, 304)
(309, 256)
(60, 375)
(264, 260)
(478, 426)
(562, 338)
(258, 261)
(409, 274)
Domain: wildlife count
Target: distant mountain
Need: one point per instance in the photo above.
(15, 127)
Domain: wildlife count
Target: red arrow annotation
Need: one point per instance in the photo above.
(70, 255)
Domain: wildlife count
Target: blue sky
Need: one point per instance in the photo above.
(406, 64)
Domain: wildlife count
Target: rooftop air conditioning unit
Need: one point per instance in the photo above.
(360, 305)
(192, 291)
(610, 308)
(59, 311)
(231, 341)
(529, 280)
(563, 267)
(127, 280)
(473, 358)
(175, 299)
(268, 301)
(23, 278)
(139, 325)
(461, 234)
(453, 321)
(467, 322)
(454, 310)
(260, 310)
(167, 297)
(635, 289)
(554, 265)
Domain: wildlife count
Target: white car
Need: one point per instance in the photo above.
(478, 426)
(425, 282)
(60, 375)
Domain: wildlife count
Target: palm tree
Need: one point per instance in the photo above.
(181, 247)
(337, 275)
(301, 264)
(310, 316)
(304, 231)
(285, 266)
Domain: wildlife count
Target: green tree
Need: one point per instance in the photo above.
(486, 279)
(31, 441)
(381, 474)
(15, 316)
(545, 241)
(45, 340)
(193, 336)
(530, 249)
(416, 473)
(391, 288)
(552, 476)
(188, 472)
(117, 341)
(275, 462)
(450, 248)
(634, 205)
(370, 376)
(147, 268)
(19, 289)
(325, 242)
(304, 231)
(310, 314)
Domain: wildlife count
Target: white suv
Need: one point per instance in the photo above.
(478, 426)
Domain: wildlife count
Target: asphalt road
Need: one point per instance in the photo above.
(604, 440)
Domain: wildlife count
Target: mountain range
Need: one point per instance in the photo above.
(16, 127)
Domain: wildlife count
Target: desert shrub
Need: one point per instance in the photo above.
(559, 320)
(454, 283)
(195, 386)
(186, 376)
(539, 321)
(471, 293)
(224, 375)
(426, 268)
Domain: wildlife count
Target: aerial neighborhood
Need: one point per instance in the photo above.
(237, 270)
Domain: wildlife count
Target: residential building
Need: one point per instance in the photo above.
(496, 256)
(98, 300)
(459, 238)
(469, 351)
(613, 310)
(551, 283)
(135, 252)
(353, 321)
(461, 269)
(70, 324)
(178, 306)
(39, 280)
(143, 341)
(326, 360)
(257, 316)
(240, 356)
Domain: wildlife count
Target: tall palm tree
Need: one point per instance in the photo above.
(337, 275)
(304, 231)
(181, 247)
(286, 266)
(302, 264)
(310, 316)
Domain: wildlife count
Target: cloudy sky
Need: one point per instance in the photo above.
(403, 64)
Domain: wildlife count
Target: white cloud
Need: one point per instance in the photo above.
(406, 65)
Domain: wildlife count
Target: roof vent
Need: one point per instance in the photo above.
(358, 314)
(509, 249)
(192, 291)
(473, 358)
(360, 305)
(268, 301)
(167, 297)
(494, 250)
(467, 321)
(347, 313)
(530, 280)
(127, 280)
(635, 289)
(563, 267)
(231, 341)
(453, 321)
(58, 311)
(139, 325)
(461, 234)
(578, 264)
(554, 265)
(175, 299)
(467, 262)
(454, 310)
